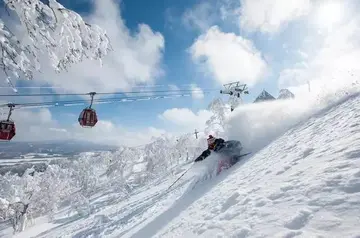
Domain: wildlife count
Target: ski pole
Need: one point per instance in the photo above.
(179, 177)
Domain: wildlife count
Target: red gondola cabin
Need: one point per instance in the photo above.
(7, 130)
(88, 117)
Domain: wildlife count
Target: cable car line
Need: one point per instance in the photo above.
(113, 99)
(88, 117)
(135, 86)
(106, 93)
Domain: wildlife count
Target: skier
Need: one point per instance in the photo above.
(214, 144)
(229, 150)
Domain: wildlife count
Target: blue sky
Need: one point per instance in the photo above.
(268, 44)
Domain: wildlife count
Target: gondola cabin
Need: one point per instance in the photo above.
(7, 130)
(88, 118)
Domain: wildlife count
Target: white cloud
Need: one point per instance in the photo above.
(229, 57)
(329, 13)
(109, 133)
(39, 125)
(302, 54)
(197, 93)
(229, 10)
(271, 15)
(173, 87)
(332, 65)
(205, 14)
(34, 125)
(136, 57)
(200, 17)
(185, 118)
(293, 76)
(58, 130)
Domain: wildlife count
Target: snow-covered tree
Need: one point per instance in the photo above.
(33, 194)
(120, 171)
(74, 182)
(216, 124)
(52, 186)
(234, 102)
(52, 31)
(188, 147)
(16, 195)
(162, 153)
(86, 174)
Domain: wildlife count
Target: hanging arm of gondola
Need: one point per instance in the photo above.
(11, 106)
(92, 94)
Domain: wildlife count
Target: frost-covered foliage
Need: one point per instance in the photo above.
(134, 167)
(38, 193)
(189, 146)
(14, 55)
(234, 102)
(73, 183)
(216, 124)
(51, 30)
(32, 194)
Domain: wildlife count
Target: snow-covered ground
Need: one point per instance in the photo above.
(301, 182)
(306, 184)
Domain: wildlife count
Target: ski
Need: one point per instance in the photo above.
(244, 154)
(237, 158)
(227, 163)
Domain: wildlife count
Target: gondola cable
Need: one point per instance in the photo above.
(107, 93)
(101, 100)
(87, 118)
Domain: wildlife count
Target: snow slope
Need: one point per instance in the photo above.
(306, 183)
(300, 182)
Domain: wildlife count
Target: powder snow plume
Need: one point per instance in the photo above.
(258, 124)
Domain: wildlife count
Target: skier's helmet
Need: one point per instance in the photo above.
(211, 142)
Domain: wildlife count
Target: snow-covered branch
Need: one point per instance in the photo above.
(14, 57)
(216, 124)
(52, 31)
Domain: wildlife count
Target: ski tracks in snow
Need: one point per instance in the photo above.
(304, 184)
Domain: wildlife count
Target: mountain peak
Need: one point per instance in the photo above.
(285, 94)
(264, 96)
